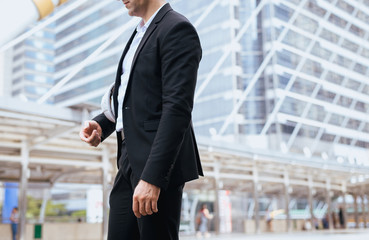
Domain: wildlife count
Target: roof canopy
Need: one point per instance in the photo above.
(47, 138)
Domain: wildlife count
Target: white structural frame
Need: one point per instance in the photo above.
(86, 61)
(92, 57)
(258, 73)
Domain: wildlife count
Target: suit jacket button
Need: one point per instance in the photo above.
(126, 108)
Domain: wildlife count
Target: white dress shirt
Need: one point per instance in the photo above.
(126, 67)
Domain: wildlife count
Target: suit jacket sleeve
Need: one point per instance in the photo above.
(180, 56)
(106, 125)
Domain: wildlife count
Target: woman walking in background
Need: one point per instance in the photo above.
(203, 218)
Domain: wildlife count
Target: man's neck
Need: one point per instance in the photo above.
(151, 9)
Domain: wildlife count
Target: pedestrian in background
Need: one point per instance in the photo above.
(203, 220)
(14, 219)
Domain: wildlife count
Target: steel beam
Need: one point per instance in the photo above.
(226, 53)
(256, 199)
(344, 210)
(356, 210)
(258, 73)
(363, 208)
(311, 202)
(216, 192)
(23, 190)
(287, 201)
(45, 198)
(328, 199)
(86, 61)
(317, 87)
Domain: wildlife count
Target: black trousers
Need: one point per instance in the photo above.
(123, 224)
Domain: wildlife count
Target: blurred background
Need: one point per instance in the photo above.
(280, 115)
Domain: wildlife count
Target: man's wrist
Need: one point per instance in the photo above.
(98, 128)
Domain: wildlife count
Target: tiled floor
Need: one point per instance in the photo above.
(319, 235)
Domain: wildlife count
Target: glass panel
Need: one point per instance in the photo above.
(326, 95)
(315, 9)
(330, 36)
(352, 84)
(334, 78)
(345, 6)
(344, 101)
(316, 113)
(321, 52)
(306, 23)
(292, 106)
(357, 31)
(337, 21)
(353, 47)
(296, 40)
(343, 61)
(303, 86)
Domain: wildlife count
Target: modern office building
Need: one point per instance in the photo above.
(31, 66)
(283, 75)
(295, 80)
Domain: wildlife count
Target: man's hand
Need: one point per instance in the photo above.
(91, 133)
(145, 199)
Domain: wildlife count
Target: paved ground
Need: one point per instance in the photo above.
(319, 235)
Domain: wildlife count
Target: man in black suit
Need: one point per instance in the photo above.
(153, 99)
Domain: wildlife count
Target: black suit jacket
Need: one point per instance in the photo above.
(157, 107)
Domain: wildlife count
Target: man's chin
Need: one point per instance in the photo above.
(131, 13)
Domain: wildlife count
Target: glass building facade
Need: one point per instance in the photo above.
(316, 84)
(32, 65)
(79, 34)
(287, 75)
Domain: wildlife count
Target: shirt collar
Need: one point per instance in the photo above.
(141, 27)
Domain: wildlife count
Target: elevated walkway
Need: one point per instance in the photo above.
(39, 144)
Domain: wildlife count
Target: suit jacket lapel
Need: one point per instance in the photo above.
(142, 43)
(150, 30)
(119, 73)
(163, 11)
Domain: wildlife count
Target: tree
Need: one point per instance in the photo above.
(34, 208)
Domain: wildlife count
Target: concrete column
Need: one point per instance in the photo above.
(216, 207)
(344, 209)
(311, 203)
(287, 201)
(329, 202)
(23, 191)
(363, 211)
(216, 192)
(356, 212)
(256, 199)
(105, 181)
(45, 198)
